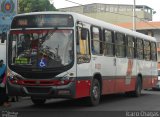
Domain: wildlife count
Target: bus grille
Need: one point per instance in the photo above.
(38, 90)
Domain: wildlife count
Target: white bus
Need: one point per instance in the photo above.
(68, 55)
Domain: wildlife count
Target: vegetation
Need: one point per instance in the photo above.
(35, 6)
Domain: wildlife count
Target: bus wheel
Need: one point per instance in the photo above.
(138, 87)
(94, 93)
(38, 101)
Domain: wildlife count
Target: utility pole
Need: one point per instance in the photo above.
(134, 16)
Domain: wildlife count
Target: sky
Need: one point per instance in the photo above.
(154, 4)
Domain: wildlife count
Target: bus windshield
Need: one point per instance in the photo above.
(41, 48)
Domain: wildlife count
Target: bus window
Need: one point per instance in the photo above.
(139, 49)
(130, 47)
(96, 41)
(84, 33)
(82, 47)
(120, 45)
(153, 51)
(147, 50)
(54, 47)
(108, 49)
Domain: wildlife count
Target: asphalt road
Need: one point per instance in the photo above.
(118, 105)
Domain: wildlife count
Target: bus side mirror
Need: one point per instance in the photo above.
(84, 33)
(3, 37)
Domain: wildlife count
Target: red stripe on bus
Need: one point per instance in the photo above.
(117, 85)
(82, 88)
(111, 86)
(149, 82)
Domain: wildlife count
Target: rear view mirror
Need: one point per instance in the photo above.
(3, 37)
(84, 33)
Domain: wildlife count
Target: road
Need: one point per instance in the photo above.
(118, 104)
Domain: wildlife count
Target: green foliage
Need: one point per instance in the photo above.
(26, 6)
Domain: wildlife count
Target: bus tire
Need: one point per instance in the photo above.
(38, 101)
(95, 93)
(138, 87)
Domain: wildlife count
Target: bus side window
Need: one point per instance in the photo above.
(82, 44)
(147, 50)
(109, 44)
(139, 49)
(96, 41)
(83, 55)
(120, 45)
(130, 47)
(153, 51)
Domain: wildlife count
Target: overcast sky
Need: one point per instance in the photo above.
(155, 4)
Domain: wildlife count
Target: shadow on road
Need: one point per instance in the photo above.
(79, 103)
(115, 104)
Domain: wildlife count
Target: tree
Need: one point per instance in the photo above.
(35, 6)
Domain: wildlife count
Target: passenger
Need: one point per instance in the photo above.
(3, 96)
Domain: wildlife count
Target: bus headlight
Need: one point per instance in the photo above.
(13, 77)
(66, 80)
(10, 75)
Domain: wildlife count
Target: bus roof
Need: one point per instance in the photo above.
(89, 20)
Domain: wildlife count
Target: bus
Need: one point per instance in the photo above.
(69, 55)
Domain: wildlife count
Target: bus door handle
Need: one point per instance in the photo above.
(114, 61)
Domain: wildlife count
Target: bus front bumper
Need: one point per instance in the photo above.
(63, 91)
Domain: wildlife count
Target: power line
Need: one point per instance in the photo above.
(140, 19)
(148, 23)
(74, 2)
(119, 14)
